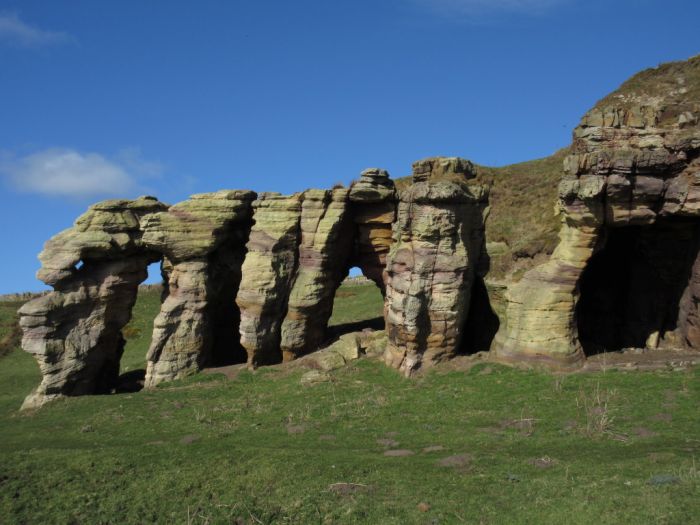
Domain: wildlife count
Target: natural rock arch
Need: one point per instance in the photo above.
(95, 268)
(300, 250)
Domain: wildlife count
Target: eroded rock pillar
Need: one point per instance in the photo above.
(373, 210)
(267, 275)
(436, 250)
(198, 237)
(325, 244)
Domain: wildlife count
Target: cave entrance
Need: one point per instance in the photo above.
(631, 290)
(358, 304)
(482, 322)
(223, 312)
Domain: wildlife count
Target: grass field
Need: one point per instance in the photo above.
(491, 445)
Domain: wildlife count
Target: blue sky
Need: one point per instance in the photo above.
(106, 99)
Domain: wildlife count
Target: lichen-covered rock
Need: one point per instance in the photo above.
(95, 267)
(437, 249)
(323, 250)
(267, 275)
(74, 333)
(109, 229)
(373, 210)
(204, 240)
(633, 168)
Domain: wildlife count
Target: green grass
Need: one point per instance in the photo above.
(263, 449)
(355, 303)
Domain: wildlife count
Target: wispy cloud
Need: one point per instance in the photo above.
(64, 172)
(16, 31)
(487, 7)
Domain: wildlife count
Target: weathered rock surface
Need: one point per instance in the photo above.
(267, 275)
(74, 332)
(326, 240)
(434, 259)
(630, 186)
(203, 239)
(300, 249)
(95, 268)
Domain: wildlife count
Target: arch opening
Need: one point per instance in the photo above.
(138, 331)
(631, 291)
(358, 304)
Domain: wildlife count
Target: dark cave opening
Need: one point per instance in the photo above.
(223, 312)
(482, 322)
(631, 290)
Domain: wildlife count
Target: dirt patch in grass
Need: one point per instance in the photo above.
(399, 453)
(458, 461)
(644, 432)
(544, 462)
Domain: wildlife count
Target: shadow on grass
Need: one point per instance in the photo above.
(334, 332)
(131, 382)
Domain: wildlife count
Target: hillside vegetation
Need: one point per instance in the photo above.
(677, 84)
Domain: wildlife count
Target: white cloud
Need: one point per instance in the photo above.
(488, 7)
(68, 173)
(14, 30)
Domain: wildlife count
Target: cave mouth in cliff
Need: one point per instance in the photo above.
(481, 324)
(223, 312)
(630, 292)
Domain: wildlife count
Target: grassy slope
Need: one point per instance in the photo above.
(676, 83)
(258, 448)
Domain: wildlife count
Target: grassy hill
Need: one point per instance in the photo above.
(673, 85)
(488, 445)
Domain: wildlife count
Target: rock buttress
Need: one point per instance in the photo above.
(203, 239)
(325, 244)
(95, 267)
(632, 166)
(437, 249)
(267, 275)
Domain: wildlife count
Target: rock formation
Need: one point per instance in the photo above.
(203, 240)
(321, 266)
(300, 249)
(436, 254)
(267, 274)
(373, 211)
(95, 268)
(254, 277)
(629, 239)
